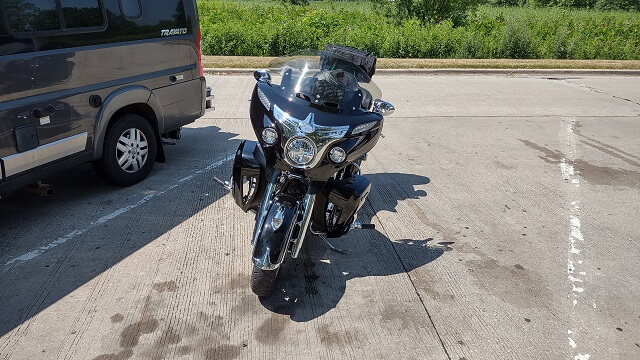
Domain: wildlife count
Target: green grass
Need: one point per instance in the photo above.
(267, 28)
(261, 62)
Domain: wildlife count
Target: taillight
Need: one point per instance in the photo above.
(199, 44)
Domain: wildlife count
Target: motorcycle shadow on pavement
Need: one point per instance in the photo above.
(314, 283)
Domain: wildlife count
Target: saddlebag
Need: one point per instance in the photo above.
(334, 53)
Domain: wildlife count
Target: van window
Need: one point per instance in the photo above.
(131, 8)
(27, 16)
(32, 15)
(81, 13)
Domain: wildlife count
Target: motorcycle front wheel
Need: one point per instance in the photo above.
(263, 281)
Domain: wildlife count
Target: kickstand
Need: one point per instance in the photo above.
(331, 247)
(225, 184)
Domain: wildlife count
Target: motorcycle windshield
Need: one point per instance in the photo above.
(329, 83)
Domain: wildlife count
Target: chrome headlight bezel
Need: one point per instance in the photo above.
(289, 152)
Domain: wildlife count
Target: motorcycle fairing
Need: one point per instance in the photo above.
(271, 246)
(249, 162)
(347, 194)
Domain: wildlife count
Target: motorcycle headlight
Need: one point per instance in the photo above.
(300, 150)
(264, 99)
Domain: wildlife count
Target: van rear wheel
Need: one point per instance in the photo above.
(129, 151)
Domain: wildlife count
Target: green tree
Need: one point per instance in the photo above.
(432, 11)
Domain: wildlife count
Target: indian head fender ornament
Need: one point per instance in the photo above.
(308, 125)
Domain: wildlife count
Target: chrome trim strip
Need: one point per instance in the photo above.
(309, 201)
(17, 163)
(262, 211)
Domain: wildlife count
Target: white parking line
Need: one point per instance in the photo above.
(575, 259)
(75, 233)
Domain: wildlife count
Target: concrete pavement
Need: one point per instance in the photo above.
(506, 212)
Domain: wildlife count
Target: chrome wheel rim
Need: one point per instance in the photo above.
(132, 150)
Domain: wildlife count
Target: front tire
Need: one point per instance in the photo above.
(263, 282)
(129, 151)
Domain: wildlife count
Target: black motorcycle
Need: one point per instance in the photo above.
(314, 130)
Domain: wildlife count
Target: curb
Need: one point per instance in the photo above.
(506, 72)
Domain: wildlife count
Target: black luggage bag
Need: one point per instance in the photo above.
(363, 59)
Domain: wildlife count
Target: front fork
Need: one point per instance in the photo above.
(306, 209)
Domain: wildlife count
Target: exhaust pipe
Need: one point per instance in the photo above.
(44, 190)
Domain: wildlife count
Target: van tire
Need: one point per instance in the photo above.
(130, 152)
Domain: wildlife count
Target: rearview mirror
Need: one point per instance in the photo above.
(262, 75)
(382, 107)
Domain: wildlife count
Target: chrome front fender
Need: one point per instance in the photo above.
(274, 234)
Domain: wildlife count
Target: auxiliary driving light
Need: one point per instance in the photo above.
(269, 135)
(337, 154)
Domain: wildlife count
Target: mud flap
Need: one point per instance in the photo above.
(271, 245)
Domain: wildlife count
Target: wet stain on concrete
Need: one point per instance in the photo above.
(501, 165)
(238, 282)
(169, 286)
(116, 318)
(394, 313)
(449, 235)
(214, 324)
(184, 350)
(609, 147)
(122, 355)
(223, 352)
(130, 336)
(425, 280)
(169, 337)
(519, 287)
(331, 338)
(271, 329)
(612, 153)
(593, 174)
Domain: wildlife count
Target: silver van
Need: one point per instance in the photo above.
(101, 81)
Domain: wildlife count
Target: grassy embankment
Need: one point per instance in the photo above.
(263, 29)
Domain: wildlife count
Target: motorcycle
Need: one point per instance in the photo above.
(314, 130)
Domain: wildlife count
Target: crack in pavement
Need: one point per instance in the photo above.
(596, 90)
(415, 288)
